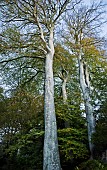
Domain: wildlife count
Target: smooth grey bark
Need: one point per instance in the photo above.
(51, 154)
(64, 95)
(64, 92)
(64, 77)
(85, 86)
(81, 24)
(51, 159)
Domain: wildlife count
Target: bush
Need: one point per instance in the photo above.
(92, 165)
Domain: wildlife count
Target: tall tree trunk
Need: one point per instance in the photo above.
(64, 92)
(51, 153)
(64, 95)
(64, 77)
(85, 86)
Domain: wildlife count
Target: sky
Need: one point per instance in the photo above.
(88, 2)
(104, 27)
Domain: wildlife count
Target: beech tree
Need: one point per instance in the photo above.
(41, 17)
(82, 23)
(62, 68)
(64, 72)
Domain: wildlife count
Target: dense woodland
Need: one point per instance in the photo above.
(53, 92)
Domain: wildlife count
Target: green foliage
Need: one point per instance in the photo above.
(92, 165)
(100, 136)
(22, 145)
(70, 112)
(22, 128)
(27, 149)
(72, 143)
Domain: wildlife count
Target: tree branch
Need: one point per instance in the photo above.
(40, 28)
(30, 79)
(61, 10)
(17, 58)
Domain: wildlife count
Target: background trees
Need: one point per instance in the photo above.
(80, 25)
(27, 55)
(43, 15)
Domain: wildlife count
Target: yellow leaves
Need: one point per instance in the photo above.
(88, 45)
(92, 53)
(63, 58)
(87, 42)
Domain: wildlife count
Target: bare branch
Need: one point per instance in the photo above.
(30, 79)
(17, 58)
(25, 6)
(63, 6)
(40, 28)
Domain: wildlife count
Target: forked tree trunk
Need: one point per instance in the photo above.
(64, 77)
(51, 154)
(64, 95)
(85, 86)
